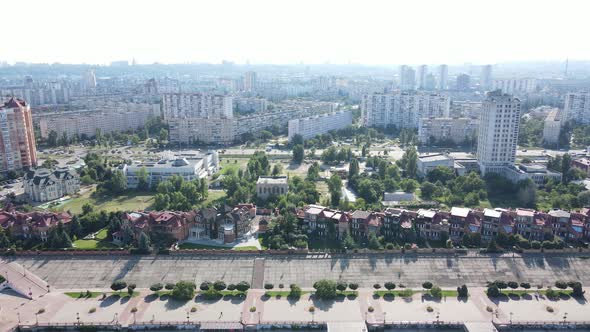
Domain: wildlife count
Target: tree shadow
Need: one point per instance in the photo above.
(151, 298)
(111, 299)
(323, 305)
(174, 304)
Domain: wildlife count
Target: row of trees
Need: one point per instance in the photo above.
(179, 194)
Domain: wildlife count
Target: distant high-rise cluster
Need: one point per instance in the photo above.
(249, 81)
(17, 138)
(485, 78)
(422, 79)
(443, 77)
(498, 132)
(402, 109)
(88, 80)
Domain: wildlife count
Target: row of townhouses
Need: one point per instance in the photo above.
(434, 224)
(31, 225)
(225, 225)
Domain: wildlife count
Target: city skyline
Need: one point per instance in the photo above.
(266, 32)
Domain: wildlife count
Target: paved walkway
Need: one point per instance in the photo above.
(23, 281)
(410, 269)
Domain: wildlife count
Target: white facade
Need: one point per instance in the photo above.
(456, 130)
(42, 185)
(250, 105)
(515, 85)
(577, 107)
(249, 81)
(197, 105)
(202, 130)
(312, 126)
(192, 169)
(498, 132)
(552, 127)
(402, 109)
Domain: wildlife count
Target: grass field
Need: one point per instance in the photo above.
(100, 242)
(132, 202)
(213, 196)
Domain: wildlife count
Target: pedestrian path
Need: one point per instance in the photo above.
(480, 327)
(23, 281)
(258, 273)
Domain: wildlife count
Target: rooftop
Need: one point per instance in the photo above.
(272, 180)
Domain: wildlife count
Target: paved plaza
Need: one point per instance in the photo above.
(410, 269)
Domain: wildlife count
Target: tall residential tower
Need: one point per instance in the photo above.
(17, 138)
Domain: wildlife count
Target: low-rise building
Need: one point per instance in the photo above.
(268, 186)
(428, 162)
(164, 169)
(582, 164)
(43, 185)
(536, 172)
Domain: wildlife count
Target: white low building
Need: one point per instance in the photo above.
(189, 169)
(43, 185)
(427, 163)
(552, 127)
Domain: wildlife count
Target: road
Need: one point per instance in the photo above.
(365, 269)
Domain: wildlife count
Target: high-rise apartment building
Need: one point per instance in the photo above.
(197, 105)
(249, 81)
(443, 77)
(422, 73)
(88, 80)
(498, 132)
(577, 107)
(407, 78)
(515, 85)
(312, 126)
(17, 138)
(402, 109)
(463, 82)
(456, 130)
(485, 78)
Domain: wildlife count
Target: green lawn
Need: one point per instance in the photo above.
(245, 248)
(100, 242)
(213, 196)
(401, 293)
(78, 295)
(132, 202)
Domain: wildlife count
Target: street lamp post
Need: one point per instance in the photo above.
(116, 317)
(384, 315)
(437, 316)
(37, 318)
(187, 317)
(18, 315)
(259, 317)
(78, 317)
(565, 318)
(511, 313)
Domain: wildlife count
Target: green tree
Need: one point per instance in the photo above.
(374, 243)
(313, 173)
(142, 179)
(277, 170)
(335, 188)
(118, 285)
(52, 138)
(184, 290)
(298, 154)
(427, 189)
(161, 202)
(410, 162)
(325, 289)
(163, 136)
(144, 243)
(353, 168)
(117, 184)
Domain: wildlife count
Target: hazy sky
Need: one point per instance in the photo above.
(291, 31)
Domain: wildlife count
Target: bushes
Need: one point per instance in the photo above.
(427, 285)
(493, 291)
(513, 284)
(118, 285)
(184, 290)
(353, 286)
(389, 285)
(376, 286)
(205, 285)
(295, 292)
(552, 294)
(436, 292)
(325, 289)
(169, 286)
(269, 286)
(231, 287)
(462, 291)
(341, 286)
(525, 285)
(243, 286)
(219, 285)
(156, 287)
(561, 284)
